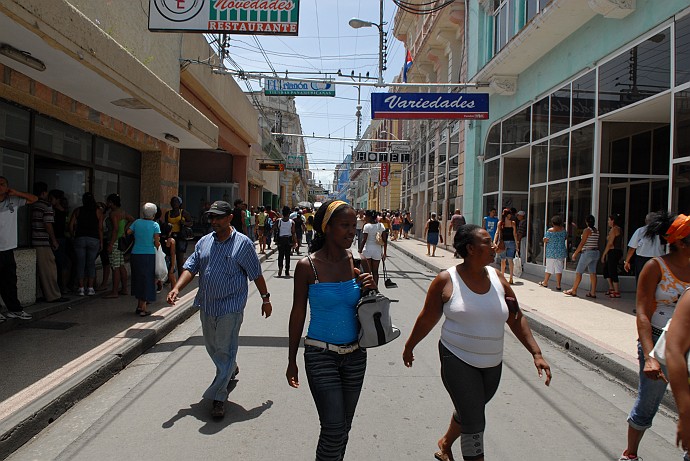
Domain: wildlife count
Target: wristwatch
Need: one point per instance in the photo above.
(266, 296)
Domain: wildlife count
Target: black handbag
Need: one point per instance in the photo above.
(125, 243)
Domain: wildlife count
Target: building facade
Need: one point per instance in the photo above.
(588, 113)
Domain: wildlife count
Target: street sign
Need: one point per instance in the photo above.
(272, 166)
(430, 106)
(248, 17)
(280, 87)
(401, 148)
(382, 157)
(295, 162)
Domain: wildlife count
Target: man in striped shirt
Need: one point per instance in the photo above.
(225, 260)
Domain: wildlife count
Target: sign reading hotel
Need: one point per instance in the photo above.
(472, 106)
(381, 157)
(250, 17)
(278, 87)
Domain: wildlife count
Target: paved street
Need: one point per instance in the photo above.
(153, 410)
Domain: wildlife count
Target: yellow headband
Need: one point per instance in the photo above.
(331, 208)
(679, 229)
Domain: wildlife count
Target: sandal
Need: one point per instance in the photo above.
(608, 293)
(615, 294)
(570, 293)
(443, 456)
(590, 295)
(558, 288)
(541, 284)
(144, 313)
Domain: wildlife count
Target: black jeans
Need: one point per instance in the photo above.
(611, 266)
(8, 281)
(284, 247)
(335, 381)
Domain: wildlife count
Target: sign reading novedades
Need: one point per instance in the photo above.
(473, 106)
(252, 17)
(279, 87)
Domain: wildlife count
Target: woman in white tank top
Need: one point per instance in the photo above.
(472, 296)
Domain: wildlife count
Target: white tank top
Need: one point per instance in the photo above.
(474, 326)
(284, 228)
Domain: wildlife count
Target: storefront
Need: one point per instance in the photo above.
(612, 139)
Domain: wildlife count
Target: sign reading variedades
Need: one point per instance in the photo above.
(430, 105)
(278, 87)
(252, 17)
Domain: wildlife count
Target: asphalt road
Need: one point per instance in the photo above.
(153, 409)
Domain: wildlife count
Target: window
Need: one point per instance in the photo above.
(584, 98)
(582, 151)
(493, 142)
(682, 128)
(579, 208)
(683, 50)
(515, 131)
(558, 157)
(639, 73)
(560, 110)
(113, 155)
(15, 123)
(540, 119)
(538, 163)
(61, 139)
(537, 223)
(491, 171)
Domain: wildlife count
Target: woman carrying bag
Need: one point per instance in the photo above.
(335, 364)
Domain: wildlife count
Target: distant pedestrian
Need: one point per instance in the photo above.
(86, 226)
(556, 251)
(238, 217)
(252, 224)
(147, 234)
(522, 236)
(181, 222)
(284, 231)
(370, 247)
(456, 221)
(386, 222)
(642, 248)
(44, 242)
(361, 221)
(506, 234)
(119, 222)
(58, 201)
(335, 364)
(300, 228)
(612, 255)
(432, 232)
(677, 347)
(491, 223)
(396, 226)
(589, 247)
(408, 223)
(260, 229)
(662, 282)
(224, 261)
(10, 202)
(474, 300)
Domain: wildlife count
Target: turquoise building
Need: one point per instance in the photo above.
(589, 113)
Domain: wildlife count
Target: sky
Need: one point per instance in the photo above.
(326, 43)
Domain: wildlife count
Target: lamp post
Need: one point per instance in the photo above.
(388, 191)
(356, 23)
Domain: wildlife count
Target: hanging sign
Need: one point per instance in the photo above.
(474, 106)
(249, 17)
(279, 87)
(383, 174)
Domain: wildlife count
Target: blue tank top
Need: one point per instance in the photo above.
(333, 311)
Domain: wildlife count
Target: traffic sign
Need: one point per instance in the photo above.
(382, 157)
(272, 166)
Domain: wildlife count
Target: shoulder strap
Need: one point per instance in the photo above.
(316, 276)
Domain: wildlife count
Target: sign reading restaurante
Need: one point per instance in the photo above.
(251, 17)
(430, 106)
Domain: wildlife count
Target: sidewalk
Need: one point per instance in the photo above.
(50, 363)
(601, 331)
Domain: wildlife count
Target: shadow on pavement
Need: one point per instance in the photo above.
(234, 413)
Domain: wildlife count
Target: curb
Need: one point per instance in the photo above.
(580, 348)
(28, 421)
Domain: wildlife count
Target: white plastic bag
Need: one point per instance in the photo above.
(161, 267)
(517, 265)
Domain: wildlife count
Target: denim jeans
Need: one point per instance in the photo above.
(86, 249)
(221, 338)
(335, 382)
(649, 395)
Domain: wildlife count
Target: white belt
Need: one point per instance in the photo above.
(339, 348)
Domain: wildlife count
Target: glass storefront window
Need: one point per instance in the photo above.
(490, 202)
(515, 131)
(557, 201)
(560, 110)
(538, 163)
(493, 142)
(515, 174)
(15, 167)
(582, 151)
(683, 50)
(104, 184)
(682, 128)
(681, 188)
(15, 123)
(634, 75)
(540, 119)
(537, 223)
(117, 156)
(641, 153)
(491, 170)
(584, 98)
(661, 143)
(558, 157)
(60, 139)
(579, 208)
(453, 188)
(616, 161)
(129, 194)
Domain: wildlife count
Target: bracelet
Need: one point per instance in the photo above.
(266, 302)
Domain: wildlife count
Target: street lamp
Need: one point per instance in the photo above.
(356, 23)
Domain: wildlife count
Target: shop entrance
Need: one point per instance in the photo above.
(72, 179)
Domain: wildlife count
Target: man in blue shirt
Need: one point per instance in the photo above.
(491, 223)
(224, 260)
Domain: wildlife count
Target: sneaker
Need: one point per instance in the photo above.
(80, 291)
(90, 291)
(21, 315)
(218, 409)
(627, 457)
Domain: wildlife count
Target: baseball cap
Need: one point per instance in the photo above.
(219, 207)
(521, 213)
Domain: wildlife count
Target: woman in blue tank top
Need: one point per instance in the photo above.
(333, 361)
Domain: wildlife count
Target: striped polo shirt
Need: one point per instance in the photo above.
(41, 213)
(224, 269)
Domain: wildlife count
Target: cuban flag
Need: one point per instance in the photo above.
(408, 64)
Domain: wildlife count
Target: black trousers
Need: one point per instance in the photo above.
(8, 281)
(284, 247)
(611, 266)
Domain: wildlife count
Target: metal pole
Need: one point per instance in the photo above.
(380, 26)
